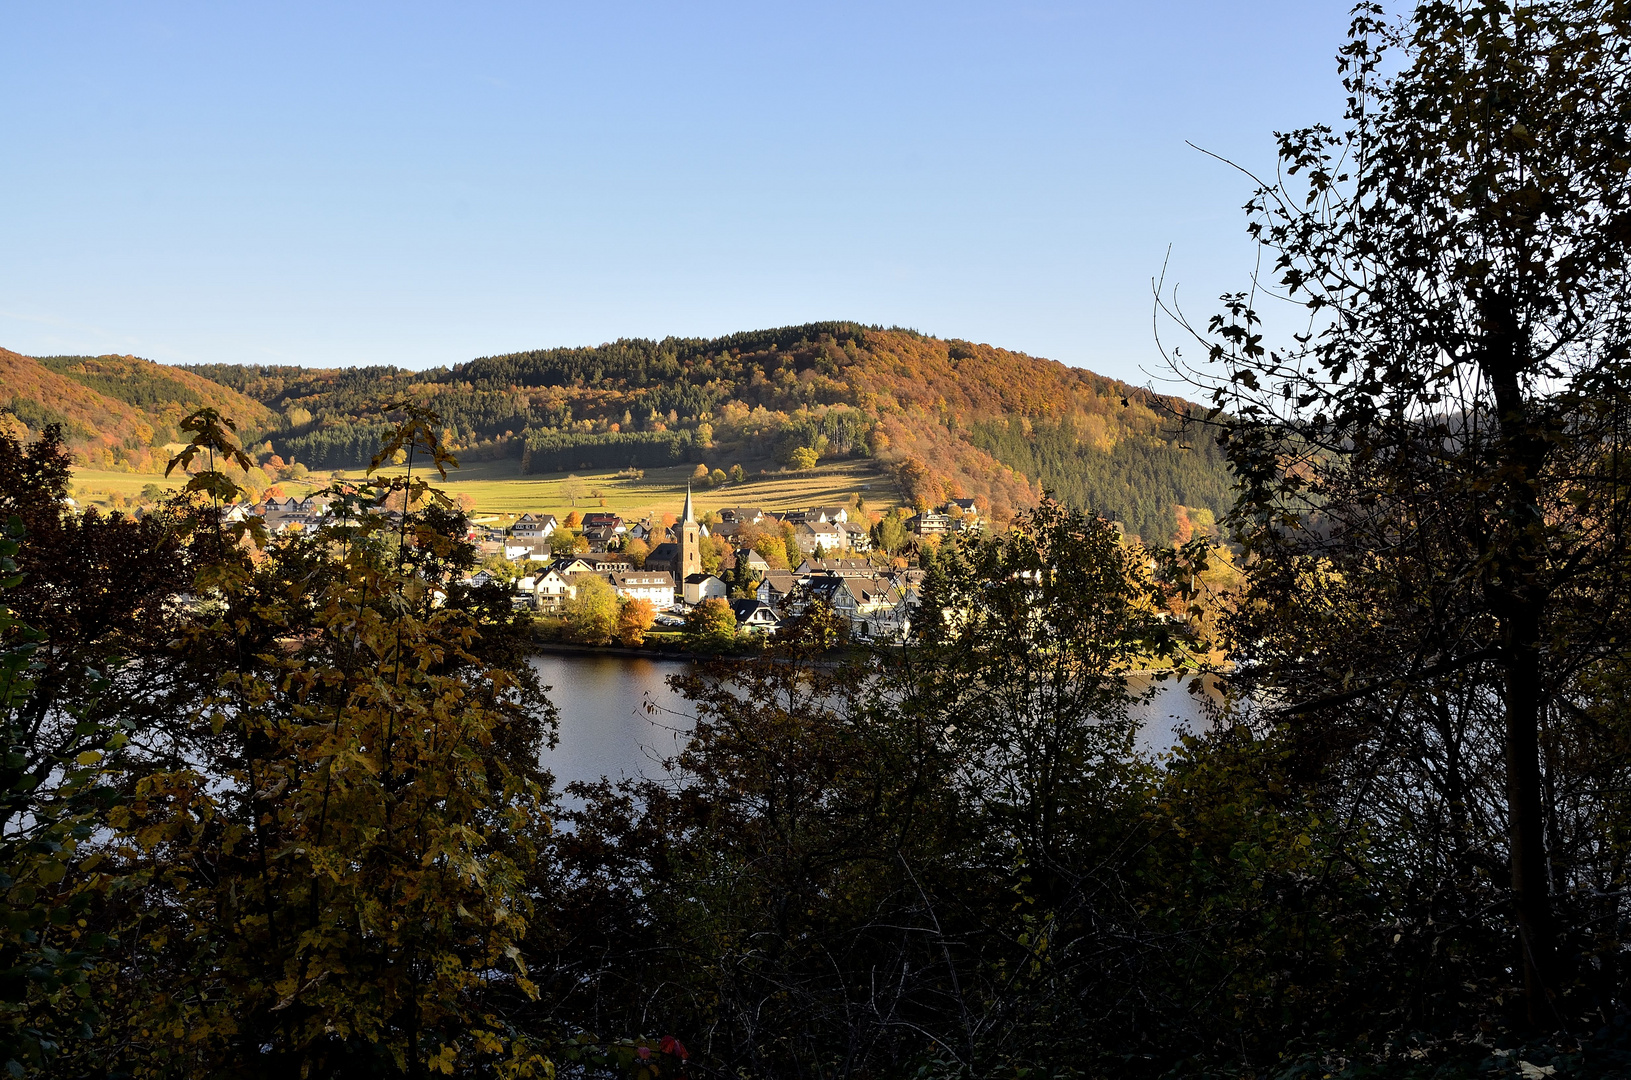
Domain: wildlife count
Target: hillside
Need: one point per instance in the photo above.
(949, 418)
(944, 418)
(118, 412)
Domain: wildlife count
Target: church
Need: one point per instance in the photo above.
(684, 558)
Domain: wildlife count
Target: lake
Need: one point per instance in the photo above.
(606, 729)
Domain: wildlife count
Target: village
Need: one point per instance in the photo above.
(676, 563)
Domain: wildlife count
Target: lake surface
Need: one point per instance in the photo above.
(608, 730)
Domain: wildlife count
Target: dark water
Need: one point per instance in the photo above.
(607, 729)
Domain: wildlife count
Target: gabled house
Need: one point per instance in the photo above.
(742, 515)
(600, 538)
(534, 527)
(700, 587)
(553, 589)
(755, 615)
(777, 588)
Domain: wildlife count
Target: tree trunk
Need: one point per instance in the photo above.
(1531, 893)
(1519, 603)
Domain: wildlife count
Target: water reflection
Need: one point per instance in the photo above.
(606, 729)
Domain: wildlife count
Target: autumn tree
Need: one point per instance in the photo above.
(360, 776)
(634, 617)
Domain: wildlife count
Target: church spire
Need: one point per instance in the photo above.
(690, 517)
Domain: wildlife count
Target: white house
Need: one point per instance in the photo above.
(553, 589)
(700, 587)
(756, 615)
(656, 586)
(534, 527)
(830, 537)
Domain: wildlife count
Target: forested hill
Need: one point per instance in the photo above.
(949, 418)
(116, 411)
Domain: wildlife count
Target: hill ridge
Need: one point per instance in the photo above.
(948, 417)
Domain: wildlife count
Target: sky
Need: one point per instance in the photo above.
(341, 183)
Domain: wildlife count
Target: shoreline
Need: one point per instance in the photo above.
(569, 648)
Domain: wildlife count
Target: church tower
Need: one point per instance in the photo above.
(690, 560)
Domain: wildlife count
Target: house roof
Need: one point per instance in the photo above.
(635, 578)
(746, 610)
(782, 581)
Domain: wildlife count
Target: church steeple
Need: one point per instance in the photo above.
(690, 560)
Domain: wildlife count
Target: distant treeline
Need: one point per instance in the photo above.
(953, 419)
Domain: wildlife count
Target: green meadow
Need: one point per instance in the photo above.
(499, 492)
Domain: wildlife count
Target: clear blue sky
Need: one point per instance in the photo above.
(417, 184)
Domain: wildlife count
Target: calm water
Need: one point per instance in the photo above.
(607, 730)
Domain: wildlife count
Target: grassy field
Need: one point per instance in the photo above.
(94, 485)
(499, 492)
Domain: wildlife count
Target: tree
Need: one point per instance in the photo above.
(635, 551)
(360, 774)
(737, 475)
(802, 458)
(635, 617)
(1433, 463)
(890, 534)
(592, 611)
(774, 550)
(713, 554)
(572, 521)
(711, 625)
(52, 800)
(564, 541)
(699, 475)
(717, 478)
(1032, 635)
(572, 489)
